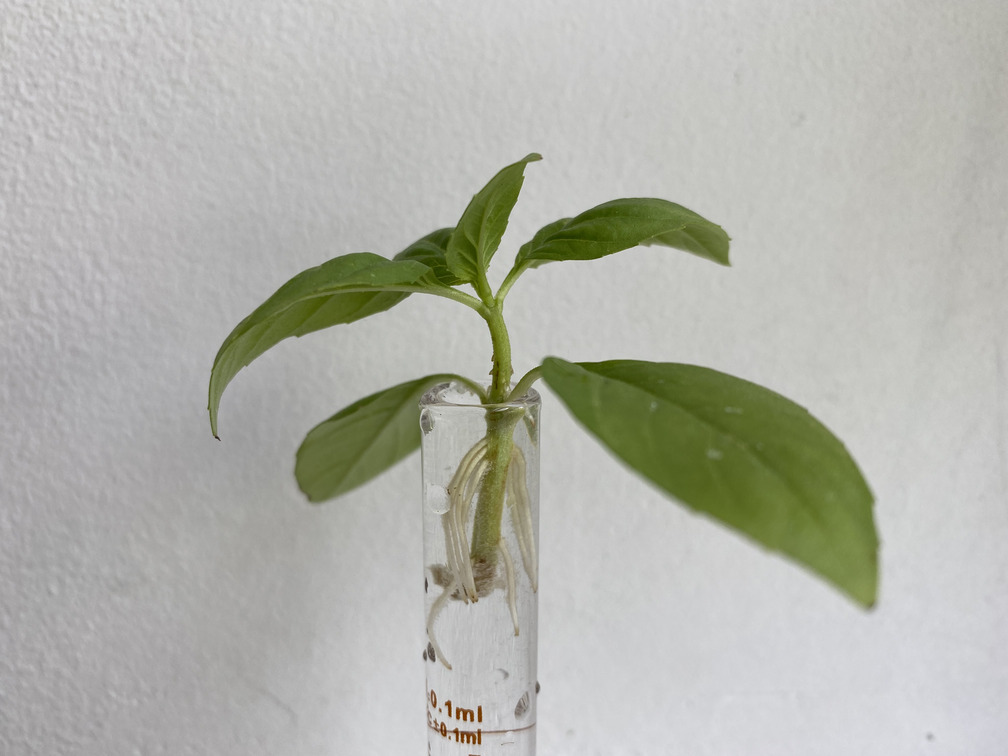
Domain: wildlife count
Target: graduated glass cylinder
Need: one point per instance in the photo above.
(481, 565)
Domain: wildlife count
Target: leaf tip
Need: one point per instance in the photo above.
(865, 591)
(867, 602)
(213, 420)
(301, 484)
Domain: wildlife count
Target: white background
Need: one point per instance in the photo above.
(164, 166)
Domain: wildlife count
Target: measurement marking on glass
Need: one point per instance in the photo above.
(454, 713)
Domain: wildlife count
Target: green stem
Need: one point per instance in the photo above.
(490, 502)
(439, 291)
(509, 281)
(525, 384)
(500, 373)
(500, 444)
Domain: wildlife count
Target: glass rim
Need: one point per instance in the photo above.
(433, 397)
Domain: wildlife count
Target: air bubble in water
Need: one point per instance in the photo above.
(436, 498)
(426, 422)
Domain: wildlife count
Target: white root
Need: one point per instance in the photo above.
(509, 572)
(436, 607)
(460, 492)
(520, 508)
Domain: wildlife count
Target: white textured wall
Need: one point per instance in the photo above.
(166, 165)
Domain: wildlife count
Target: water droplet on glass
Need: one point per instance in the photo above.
(522, 706)
(426, 422)
(714, 454)
(436, 497)
(654, 406)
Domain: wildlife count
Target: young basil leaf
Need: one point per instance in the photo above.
(737, 452)
(479, 231)
(341, 290)
(430, 250)
(361, 441)
(622, 224)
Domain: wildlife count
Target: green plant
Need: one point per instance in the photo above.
(730, 449)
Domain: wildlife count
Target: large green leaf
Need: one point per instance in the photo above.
(622, 224)
(479, 231)
(738, 452)
(341, 290)
(361, 441)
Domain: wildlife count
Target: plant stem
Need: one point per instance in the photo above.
(525, 384)
(509, 281)
(484, 547)
(500, 373)
(486, 536)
